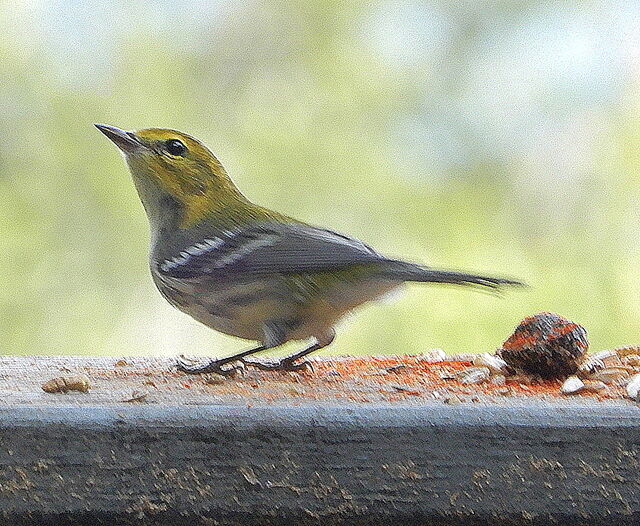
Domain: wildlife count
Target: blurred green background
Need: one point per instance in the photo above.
(500, 137)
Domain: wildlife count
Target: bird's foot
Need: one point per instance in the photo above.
(285, 365)
(221, 367)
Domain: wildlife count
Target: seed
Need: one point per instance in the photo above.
(632, 359)
(591, 365)
(626, 351)
(495, 364)
(608, 357)
(435, 356)
(633, 388)
(610, 375)
(474, 375)
(572, 385)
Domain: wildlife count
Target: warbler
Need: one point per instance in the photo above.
(243, 269)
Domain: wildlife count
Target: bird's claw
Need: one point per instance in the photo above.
(285, 365)
(214, 366)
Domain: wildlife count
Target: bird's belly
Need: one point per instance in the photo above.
(321, 314)
(248, 325)
(239, 310)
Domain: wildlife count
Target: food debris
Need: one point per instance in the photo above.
(136, 396)
(347, 379)
(546, 346)
(405, 389)
(435, 356)
(633, 360)
(213, 378)
(607, 357)
(64, 384)
(572, 385)
(626, 351)
(610, 375)
(474, 375)
(496, 364)
(595, 386)
(633, 388)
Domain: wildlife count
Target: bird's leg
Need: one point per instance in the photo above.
(289, 363)
(274, 335)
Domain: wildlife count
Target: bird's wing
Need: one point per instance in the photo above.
(267, 249)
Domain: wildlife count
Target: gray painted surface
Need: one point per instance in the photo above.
(362, 464)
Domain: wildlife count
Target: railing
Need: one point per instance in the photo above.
(187, 452)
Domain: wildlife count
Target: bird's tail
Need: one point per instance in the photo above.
(404, 271)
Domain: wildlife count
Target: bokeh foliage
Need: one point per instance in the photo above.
(499, 137)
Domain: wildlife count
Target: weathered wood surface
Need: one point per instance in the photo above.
(193, 456)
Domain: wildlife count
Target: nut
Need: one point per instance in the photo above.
(546, 345)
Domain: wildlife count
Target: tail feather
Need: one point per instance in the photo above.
(411, 272)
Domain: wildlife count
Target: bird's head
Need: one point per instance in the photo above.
(174, 173)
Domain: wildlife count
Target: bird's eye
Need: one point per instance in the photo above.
(175, 147)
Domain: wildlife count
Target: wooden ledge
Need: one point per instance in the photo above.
(192, 455)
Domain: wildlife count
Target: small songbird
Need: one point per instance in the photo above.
(245, 270)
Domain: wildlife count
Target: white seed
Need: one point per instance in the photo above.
(494, 363)
(610, 375)
(474, 375)
(633, 388)
(572, 385)
(435, 356)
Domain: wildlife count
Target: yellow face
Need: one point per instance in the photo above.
(181, 164)
(170, 162)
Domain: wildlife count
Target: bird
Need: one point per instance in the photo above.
(248, 271)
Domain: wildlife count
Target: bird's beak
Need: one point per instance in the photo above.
(126, 141)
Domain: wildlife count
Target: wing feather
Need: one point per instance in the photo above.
(268, 249)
